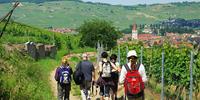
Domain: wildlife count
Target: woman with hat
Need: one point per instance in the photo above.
(133, 65)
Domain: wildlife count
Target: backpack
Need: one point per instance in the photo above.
(106, 69)
(78, 75)
(133, 81)
(65, 77)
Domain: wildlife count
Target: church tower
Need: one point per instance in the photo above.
(134, 32)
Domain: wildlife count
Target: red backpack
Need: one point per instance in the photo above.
(133, 83)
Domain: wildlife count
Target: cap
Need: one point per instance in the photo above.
(131, 53)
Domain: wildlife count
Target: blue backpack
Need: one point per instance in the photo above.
(64, 73)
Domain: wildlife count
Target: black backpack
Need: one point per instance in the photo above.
(78, 75)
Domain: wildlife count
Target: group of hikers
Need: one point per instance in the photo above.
(131, 75)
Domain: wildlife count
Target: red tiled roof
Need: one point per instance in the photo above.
(147, 37)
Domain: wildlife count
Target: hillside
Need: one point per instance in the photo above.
(73, 13)
(22, 77)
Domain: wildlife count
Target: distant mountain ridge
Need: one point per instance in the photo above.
(72, 13)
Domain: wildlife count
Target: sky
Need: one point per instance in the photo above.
(135, 2)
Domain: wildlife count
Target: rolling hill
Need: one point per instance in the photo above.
(72, 14)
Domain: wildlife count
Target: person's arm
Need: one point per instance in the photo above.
(118, 66)
(100, 67)
(143, 73)
(122, 75)
(71, 71)
(113, 66)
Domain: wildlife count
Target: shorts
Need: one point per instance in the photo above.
(115, 78)
(86, 85)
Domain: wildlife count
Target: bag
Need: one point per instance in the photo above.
(78, 75)
(65, 77)
(106, 69)
(133, 81)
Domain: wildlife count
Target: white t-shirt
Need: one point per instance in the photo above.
(124, 72)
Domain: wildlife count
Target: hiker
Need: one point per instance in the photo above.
(115, 75)
(87, 69)
(105, 80)
(63, 77)
(133, 73)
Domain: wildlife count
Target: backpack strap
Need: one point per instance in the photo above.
(79, 66)
(138, 66)
(127, 68)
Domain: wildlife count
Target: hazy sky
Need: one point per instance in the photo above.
(135, 2)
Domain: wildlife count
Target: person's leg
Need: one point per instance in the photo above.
(88, 87)
(82, 87)
(67, 92)
(112, 95)
(101, 93)
(115, 92)
(60, 92)
(83, 96)
(143, 96)
(107, 92)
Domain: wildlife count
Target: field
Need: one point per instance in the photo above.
(72, 14)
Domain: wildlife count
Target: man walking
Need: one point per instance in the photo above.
(87, 69)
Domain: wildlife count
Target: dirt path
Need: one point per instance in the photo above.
(149, 95)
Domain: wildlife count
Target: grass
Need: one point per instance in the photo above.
(72, 14)
(23, 78)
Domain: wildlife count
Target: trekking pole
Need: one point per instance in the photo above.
(162, 80)
(191, 78)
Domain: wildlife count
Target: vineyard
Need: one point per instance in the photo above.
(176, 68)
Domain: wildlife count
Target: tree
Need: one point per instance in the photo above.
(96, 30)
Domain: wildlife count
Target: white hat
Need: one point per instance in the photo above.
(132, 53)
